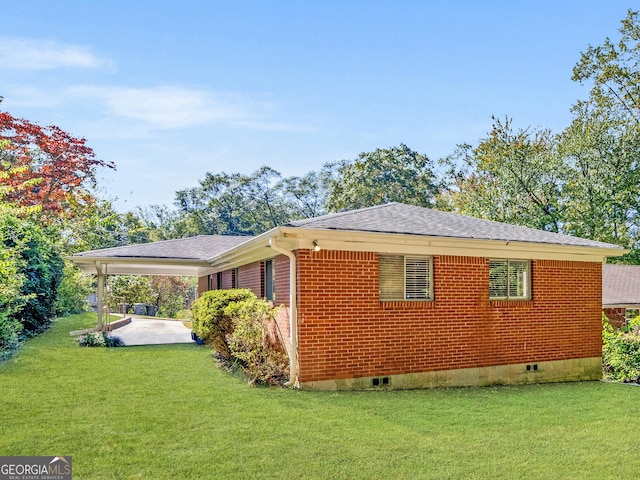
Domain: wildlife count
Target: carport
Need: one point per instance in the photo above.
(181, 257)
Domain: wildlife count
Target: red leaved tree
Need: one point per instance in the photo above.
(46, 167)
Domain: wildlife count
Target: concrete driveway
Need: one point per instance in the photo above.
(145, 331)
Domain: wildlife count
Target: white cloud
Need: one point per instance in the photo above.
(117, 111)
(169, 107)
(30, 54)
(173, 107)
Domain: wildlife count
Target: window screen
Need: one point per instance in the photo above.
(405, 278)
(510, 279)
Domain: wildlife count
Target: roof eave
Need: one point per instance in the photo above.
(141, 266)
(299, 237)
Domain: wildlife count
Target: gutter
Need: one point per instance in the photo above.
(293, 314)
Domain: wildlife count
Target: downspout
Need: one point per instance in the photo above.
(293, 313)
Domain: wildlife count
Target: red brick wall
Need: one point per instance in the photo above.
(202, 285)
(346, 332)
(281, 284)
(226, 279)
(251, 276)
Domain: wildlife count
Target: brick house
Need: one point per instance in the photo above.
(620, 292)
(406, 297)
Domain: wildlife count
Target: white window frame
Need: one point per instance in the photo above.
(514, 282)
(402, 277)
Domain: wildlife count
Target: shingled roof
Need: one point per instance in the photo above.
(198, 255)
(399, 218)
(621, 285)
(201, 247)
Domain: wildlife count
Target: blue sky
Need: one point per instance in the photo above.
(169, 90)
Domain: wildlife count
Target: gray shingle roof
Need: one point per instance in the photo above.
(621, 284)
(201, 247)
(412, 220)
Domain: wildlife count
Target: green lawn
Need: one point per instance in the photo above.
(167, 412)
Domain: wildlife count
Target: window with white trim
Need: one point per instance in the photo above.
(509, 279)
(405, 277)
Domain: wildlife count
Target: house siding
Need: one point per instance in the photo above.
(345, 332)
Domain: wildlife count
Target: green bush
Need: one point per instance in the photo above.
(73, 291)
(99, 339)
(184, 314)
(11, 281)
(9, 337)
(621, 353)
(261, 359)
(41, 266)
(30, 272)
(211, 323)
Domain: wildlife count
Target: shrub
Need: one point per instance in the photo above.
(211, 323)
(9, 337)
(73, 291)
(42, 266)
(260, 355)
(112, 341)
(11, 281)
(99, 339)
(184, 314)
(621, 353)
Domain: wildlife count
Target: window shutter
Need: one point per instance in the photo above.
(498, 278)
(391, 277)
(519, 279)
(418, 278)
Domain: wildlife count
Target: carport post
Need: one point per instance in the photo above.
(100, 293)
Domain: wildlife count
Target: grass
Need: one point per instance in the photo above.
(166, 411)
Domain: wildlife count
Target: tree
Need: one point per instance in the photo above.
(172, 294)
(613, 68)
(397, 174)
(234, 204)
(128, 289)
(511, 176)
(57, 168)
(601, 194)
(603, 141)
(307, 195)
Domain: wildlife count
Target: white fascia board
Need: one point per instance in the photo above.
(140, 266)
(250, 251)
(298, 238)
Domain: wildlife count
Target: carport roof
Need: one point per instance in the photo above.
(184, 256)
